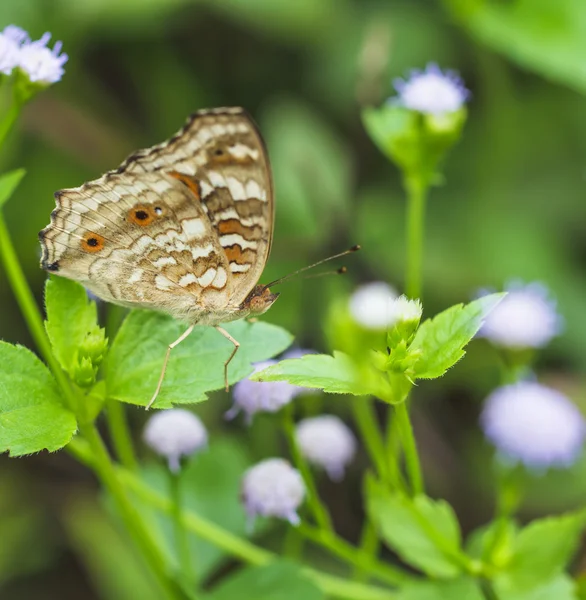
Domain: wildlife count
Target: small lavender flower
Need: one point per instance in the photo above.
(41, 64)
(370, 305)
(534, 424)
(19, 35)
(526, 318)
(251, 397)
(431, 92)
(273, 488)
(10, 40)
(327, 442)
(175, 433)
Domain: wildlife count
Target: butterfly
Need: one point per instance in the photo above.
(184, 227)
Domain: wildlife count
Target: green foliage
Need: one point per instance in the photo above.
(417, 143)
(280, 580)
(424, 532)
(561, 587)
(196, 365)
(78, 343)
(548, 38)
(441, 340)
(32, 415)
(542, 551)
(336, 374)
(8, 183)
(458, 589)
(210, 487)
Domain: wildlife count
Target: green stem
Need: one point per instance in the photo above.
(106, 472)
(394, 453)
(411, 456)
(120, 433)
(319, 511)
(354, 556)
(30, 310)
(180, 533)
(9, 120)
(293, 543)
(369, 545)
(416, 197)
(366, 420)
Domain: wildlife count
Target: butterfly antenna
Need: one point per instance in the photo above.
(339, 271)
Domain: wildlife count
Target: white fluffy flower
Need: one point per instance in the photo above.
(534, 424)
(10, 40)
(41, 64)
(175, 433)
(327, 442)
(251, 397)
(376, 306)
(526, 318)
(370, 305)
(431, 91)
(273, 488)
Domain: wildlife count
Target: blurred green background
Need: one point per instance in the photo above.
(512, 206)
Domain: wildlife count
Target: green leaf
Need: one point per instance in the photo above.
(70, 317)
(542, 550)
(423, 532)
(8, 183)
(32, 417)
(196, 366)
(277, 581)
(335, 374)
(441, 340)
(561, 587)
(543, 36)
(459, 589)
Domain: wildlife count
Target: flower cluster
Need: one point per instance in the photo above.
(34, 58)
(431, 92)
(534, 424)
(526, 318)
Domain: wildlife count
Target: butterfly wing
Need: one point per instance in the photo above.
(221, 155)
(184, 227)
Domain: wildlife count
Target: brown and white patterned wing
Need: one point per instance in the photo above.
(220, 155)
(139, 239)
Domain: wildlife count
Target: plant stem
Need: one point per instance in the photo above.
(366, 421)
(319, 511)
(369, 544)
(410, 448)
(120, 433)
(293, 543)
(416, 197)
(394, 453)
(9, 120)
(30, 310)
(180, 533)
(354, 556)
(106, 472)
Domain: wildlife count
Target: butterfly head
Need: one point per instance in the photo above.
(259, 300)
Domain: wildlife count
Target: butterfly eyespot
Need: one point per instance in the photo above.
(219, 152)
(158, 210)
(142, 214)
(92, 242)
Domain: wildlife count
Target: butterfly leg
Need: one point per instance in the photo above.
(164, 369)
(236, 346)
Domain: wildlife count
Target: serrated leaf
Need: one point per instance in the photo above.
(335, 374)
(8, 183)
(196, 366)
(561, 587)
(441, 340)
(70, 316)
(279, 580)
(32, 416)
(423, 532)
(459, 589)
(542, 550)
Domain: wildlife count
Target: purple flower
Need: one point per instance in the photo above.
(327, 442)
(175, 433)
(534, 424)
(431, 92)
(41, 64)
(273, 488)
